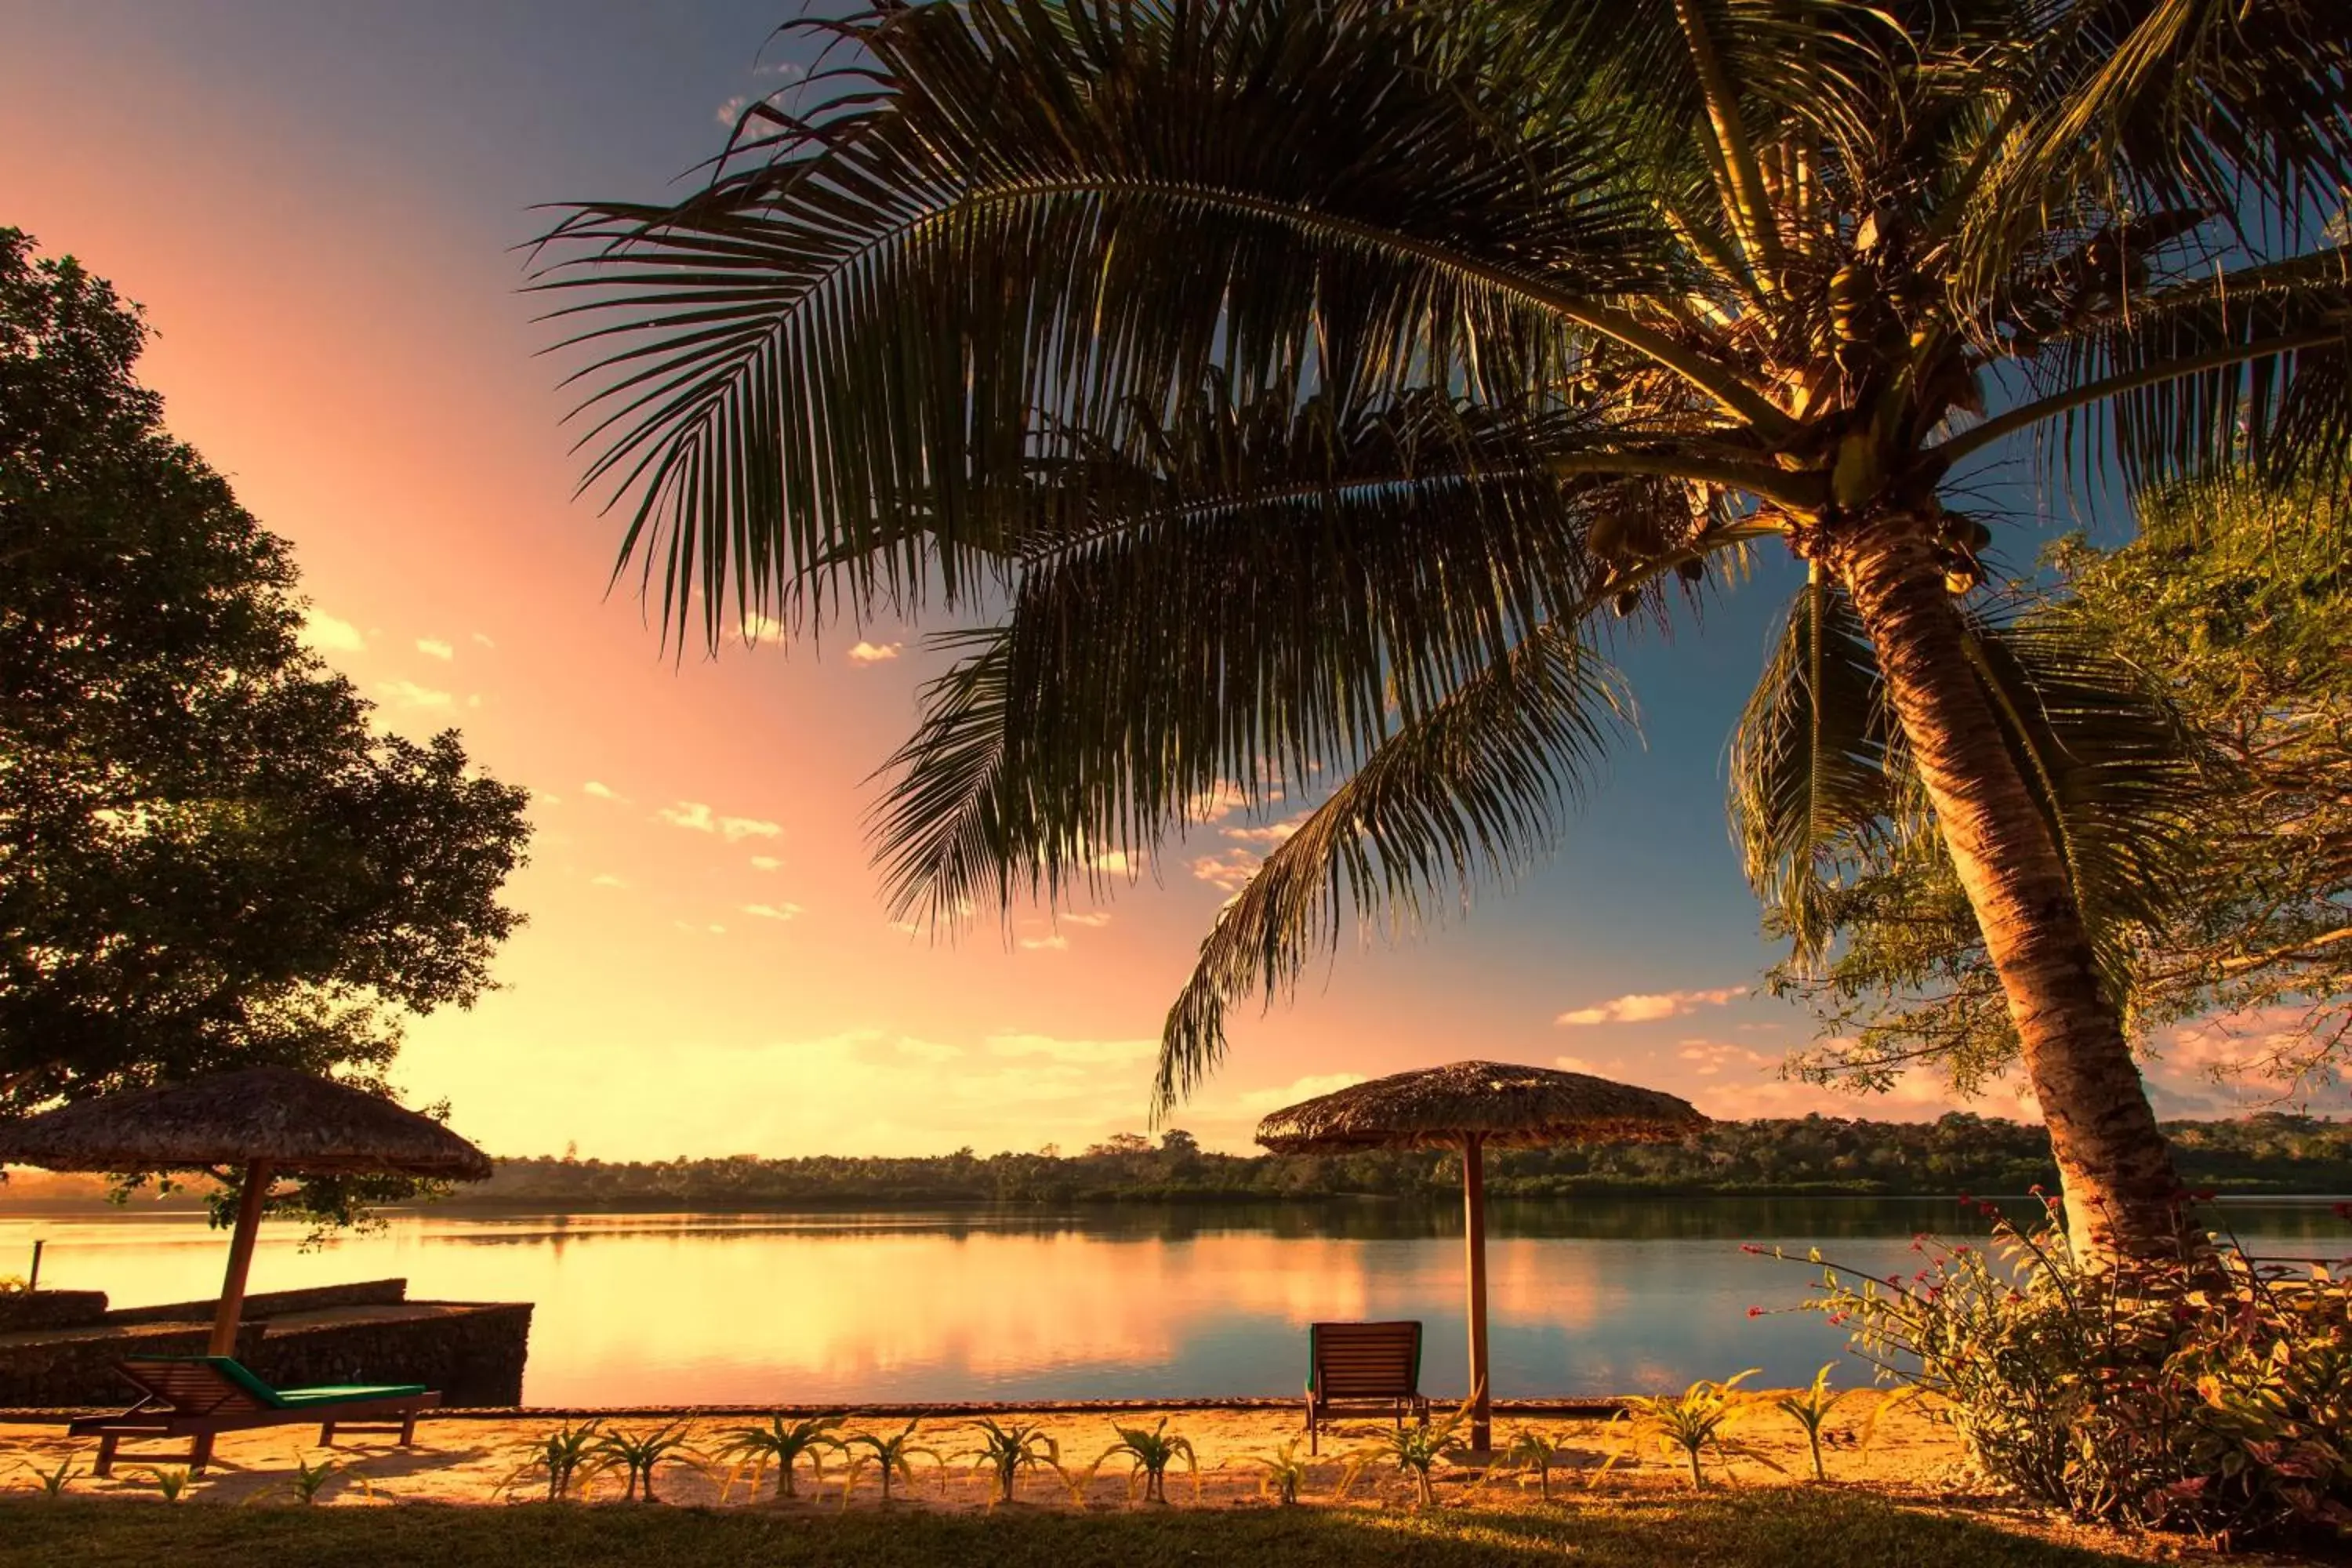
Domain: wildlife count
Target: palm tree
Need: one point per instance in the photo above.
(1287, 388)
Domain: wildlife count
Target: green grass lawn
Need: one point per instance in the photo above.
(1727, 1530)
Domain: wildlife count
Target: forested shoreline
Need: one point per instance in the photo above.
(1814, 1155)
(1826, 1155)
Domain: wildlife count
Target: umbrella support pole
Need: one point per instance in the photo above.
(255, 1192)
(1473, 1217)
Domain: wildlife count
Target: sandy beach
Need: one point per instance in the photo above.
(470, 1459)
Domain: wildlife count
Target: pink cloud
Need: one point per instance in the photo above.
(1648, 1007)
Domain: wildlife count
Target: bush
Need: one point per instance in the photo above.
(2211, 1393)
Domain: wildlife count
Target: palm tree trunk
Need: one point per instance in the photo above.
(2122, 1193)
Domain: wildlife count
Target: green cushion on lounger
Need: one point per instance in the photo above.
(235, 1371)
(345, 1394)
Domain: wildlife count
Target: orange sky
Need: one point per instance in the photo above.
(317, 207)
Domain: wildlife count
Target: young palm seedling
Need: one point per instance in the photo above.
(1149, 1454)
(892, 1456)
(309, 1481)
(1810, 1410)
(1533, 1454)
(564, 1456)
(172, 1483)
(641, 1453)
(1412, 1449)
(1285, 1473)
(783, 1444)
(1005, 1451)
(1692, 1422)
(53, 1482)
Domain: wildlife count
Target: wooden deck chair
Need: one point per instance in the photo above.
(1362, 1363)
(199, 1397)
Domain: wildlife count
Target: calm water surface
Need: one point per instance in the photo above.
(1590, 1297)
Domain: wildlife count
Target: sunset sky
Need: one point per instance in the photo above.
(319, 203)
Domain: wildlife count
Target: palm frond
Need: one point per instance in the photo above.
(1025, 218)
(2243, 111)
(2121, 779)
(1810, 791)
(1471, 794)
(2252, 365)
(950, 831)
(1825, 68)
(1241, 603)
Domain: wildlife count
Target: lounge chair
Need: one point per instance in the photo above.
(199, 1397)
(1362, 1363)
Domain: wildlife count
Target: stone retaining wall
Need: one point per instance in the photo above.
(22, 1312)
(473, 1353)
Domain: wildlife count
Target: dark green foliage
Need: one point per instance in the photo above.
(1725, 1528)
(2210, 1392)
(208, 858)
(1958, 1154)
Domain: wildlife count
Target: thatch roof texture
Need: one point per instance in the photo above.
(1503, 1103)
(299, 1124)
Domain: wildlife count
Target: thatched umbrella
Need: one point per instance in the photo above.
(1469, 1106)
(273, 1121)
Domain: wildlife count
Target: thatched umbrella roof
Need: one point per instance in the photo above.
(299, 1123)
(1501, 1103)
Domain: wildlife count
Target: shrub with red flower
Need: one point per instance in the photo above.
(2211, 1393)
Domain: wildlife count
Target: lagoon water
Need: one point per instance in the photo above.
(1595, 1296)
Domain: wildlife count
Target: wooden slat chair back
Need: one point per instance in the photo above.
(191, 1388)
(1362, 1363)
(199, 1397)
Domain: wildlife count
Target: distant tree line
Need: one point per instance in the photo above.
(2272, 1153)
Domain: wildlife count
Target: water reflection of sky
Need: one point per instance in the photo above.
(1589, 1298)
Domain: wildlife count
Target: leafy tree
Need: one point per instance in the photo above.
(1120, 1143)
(2241, 610)
(208, 859)
(1288, 384)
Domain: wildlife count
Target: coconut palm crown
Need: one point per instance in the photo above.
(1282, 393)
